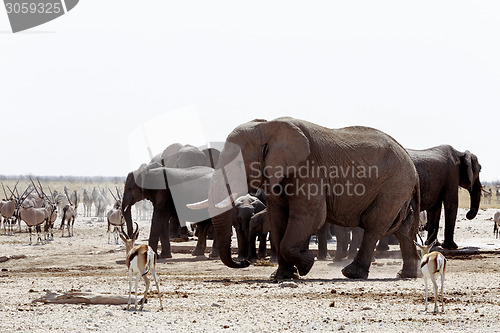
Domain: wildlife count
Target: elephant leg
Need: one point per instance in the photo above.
(242, 244)
(450, 215)
(166, 251)
(356, 237)
(360, 266)
(433, 216)
(252, 251)
(158, 223)
(278, 218)
(201, 245)
(383, 244)
(341, 234)
(175, 227)
(322, 236)
(303, 221)
(215, 252)
(262, 246)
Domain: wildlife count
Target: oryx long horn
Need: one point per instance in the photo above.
(4, 191)
(118, 193)
(36, 189)
(112, 194)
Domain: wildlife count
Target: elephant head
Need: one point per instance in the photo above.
(139, 184)
(256, 155)
(469, 179)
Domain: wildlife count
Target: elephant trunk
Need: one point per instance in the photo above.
(222, 219)
(223, 232)
(127, 203)
(475, 199)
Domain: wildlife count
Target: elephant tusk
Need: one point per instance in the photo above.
(126, 208)
(198, 205)
(228, 201)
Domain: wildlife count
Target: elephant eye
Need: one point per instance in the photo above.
(264, 150)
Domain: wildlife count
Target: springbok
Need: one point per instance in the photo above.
(141, 260)
(496, 225)
(487, 195)
(432, 264)
(115, 217)
(69, 215)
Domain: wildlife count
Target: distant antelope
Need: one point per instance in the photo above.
(34, 217)
(69, 215)
(496, 225)
(115, 217)
(433, 264)
(87, 203)
(487, 196)
(141, 260)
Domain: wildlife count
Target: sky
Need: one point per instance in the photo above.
(78, 94)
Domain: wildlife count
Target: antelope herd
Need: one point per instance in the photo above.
(39, 208)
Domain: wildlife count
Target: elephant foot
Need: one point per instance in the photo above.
(183, 238)
(408, 274)
(382, 247)
(198, 252)
(324, 257)
(283, 274)
(306, 262)
(165, 255)
(450, 245)
(355, 271)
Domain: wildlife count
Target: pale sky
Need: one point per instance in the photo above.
(75, 91)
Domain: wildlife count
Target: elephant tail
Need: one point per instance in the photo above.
(415, 206)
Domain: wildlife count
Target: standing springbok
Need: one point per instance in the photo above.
(432, 264)
(69, 215)
(141, 260)
(496, 224)
(115, 217)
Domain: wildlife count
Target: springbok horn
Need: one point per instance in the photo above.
(136, 232)
(198, 205)
(228, 201)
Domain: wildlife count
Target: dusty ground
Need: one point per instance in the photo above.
(203, 295)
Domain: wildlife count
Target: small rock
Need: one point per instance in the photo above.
(288, 284)
(366, 308)
(216, 305)
(332, 304)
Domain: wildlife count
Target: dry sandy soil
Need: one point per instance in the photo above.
(204, 295)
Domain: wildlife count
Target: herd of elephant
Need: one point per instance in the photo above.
(302, 175)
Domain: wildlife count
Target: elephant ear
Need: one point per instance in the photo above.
(285, 146)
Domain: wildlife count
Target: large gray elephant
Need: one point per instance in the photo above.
(441, 171)
(355, 176)
(169, 190)
(177, 155)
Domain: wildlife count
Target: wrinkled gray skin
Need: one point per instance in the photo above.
(191, 185)
(177, 155)
(441, 171)
(246, 206)
(272, 150)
